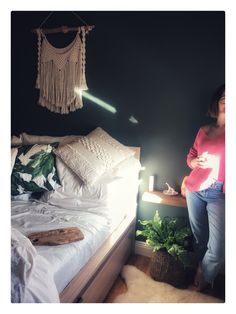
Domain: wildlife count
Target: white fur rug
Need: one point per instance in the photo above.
(143, 289)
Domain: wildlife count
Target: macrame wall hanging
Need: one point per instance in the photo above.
(61, 71)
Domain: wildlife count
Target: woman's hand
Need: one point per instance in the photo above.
(204, 161)
(196, 162)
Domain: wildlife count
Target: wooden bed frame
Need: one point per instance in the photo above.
(93, 282)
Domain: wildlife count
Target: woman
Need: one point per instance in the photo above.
(205, 196)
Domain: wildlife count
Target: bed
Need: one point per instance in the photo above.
(100, 201)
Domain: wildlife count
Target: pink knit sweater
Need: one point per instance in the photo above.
(214, 148)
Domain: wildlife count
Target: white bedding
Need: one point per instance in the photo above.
(31, 279)
(66, 260)
(97, 212)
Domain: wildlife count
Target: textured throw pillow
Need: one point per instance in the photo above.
(92, 155)
(34, 170)
(29, 139)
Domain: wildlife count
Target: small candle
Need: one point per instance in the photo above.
(151, 183)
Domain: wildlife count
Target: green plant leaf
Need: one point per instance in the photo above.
(165, 233)
(139, 232)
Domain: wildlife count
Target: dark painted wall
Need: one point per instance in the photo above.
(160, 67)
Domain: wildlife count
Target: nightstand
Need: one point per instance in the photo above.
(159, 197)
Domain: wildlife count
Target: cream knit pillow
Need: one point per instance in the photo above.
(92, 155)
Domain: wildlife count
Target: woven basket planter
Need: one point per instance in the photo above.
(165, 268)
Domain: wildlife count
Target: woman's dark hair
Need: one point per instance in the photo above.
(213, 107)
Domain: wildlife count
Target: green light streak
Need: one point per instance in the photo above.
(99, 102)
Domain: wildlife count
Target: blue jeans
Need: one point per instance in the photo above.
(206, 211)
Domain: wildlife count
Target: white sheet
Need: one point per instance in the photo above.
(31, 279)
(66, 260)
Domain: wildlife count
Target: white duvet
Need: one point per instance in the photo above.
(65, 260)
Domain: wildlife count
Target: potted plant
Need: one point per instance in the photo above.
(170, 243)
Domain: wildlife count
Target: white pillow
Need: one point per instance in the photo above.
(73, 191)
(29, 139)
(109, 192)
(88, 196)
(70, 182)
(92, 155)
(70, 185)
(129, 166)
(14, 151)
(16, 140)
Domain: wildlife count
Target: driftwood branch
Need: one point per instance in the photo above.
(62, 29)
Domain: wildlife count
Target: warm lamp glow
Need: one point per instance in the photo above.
(150, 197)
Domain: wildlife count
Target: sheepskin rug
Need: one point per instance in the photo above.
(143, 289)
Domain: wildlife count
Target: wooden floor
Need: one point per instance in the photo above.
(142, 263)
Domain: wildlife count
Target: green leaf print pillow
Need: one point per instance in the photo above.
(34, 169)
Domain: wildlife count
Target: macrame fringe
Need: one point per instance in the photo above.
(61, 88)
(39, 57)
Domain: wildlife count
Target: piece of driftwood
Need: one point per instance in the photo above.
(63, 29)
(56, 236)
